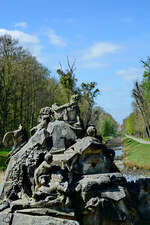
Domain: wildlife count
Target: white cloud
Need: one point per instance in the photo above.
(28, 41)
(55, 39)
(21, 25)
(99, 49)
(21, 36)
(130, 74)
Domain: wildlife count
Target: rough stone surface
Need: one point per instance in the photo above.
(62, 135)
(22, 219)
(6, 217)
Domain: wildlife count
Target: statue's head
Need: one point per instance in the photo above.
(45, 113)
(91, 131)
(48, 158)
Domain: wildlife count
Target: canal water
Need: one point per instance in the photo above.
(130, 175)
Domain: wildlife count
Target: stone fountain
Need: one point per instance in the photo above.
(66, 175)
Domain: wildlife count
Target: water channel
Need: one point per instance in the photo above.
(130, 175)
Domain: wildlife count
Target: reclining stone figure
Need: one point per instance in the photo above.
(69, 112)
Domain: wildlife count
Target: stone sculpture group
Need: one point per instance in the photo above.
(65, 175)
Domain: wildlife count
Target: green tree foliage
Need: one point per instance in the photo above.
(104, 122)
(88, 92)
(134, 125)
(141, 102)
(109, 127)
(129, 124)
(67, 81)
(10, 55)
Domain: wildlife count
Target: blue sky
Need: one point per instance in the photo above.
(106, 37)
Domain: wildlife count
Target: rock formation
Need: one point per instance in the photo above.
(65, 175)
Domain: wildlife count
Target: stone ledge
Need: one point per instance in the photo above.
(7, 218)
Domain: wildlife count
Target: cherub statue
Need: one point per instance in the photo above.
(43, 172)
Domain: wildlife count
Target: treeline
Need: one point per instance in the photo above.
(104, 122)
(26, 86)
(138, 122)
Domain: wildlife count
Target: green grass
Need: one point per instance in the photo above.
(136, 154)
(146, 139)
(3, 156)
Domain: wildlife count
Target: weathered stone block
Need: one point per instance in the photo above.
(22, 219)
(5, 217)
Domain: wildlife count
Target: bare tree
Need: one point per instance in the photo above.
(138, 95)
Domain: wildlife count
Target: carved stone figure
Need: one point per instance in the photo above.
(19, 138)
(69, 112)
(50, 184)
(92, 132)
(43, 119)
(42, 171)
(52, 191)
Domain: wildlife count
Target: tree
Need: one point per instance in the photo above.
(10, 55)
(138, 122)
(108, 125)
(67, 80)
(138, 95)
(88, 93)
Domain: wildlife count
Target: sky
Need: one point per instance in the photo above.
(106, 38)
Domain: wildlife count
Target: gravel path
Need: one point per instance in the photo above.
(138, 139)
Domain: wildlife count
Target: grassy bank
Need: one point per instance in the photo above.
(136, 155)
(113, 141)
(3, 157)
